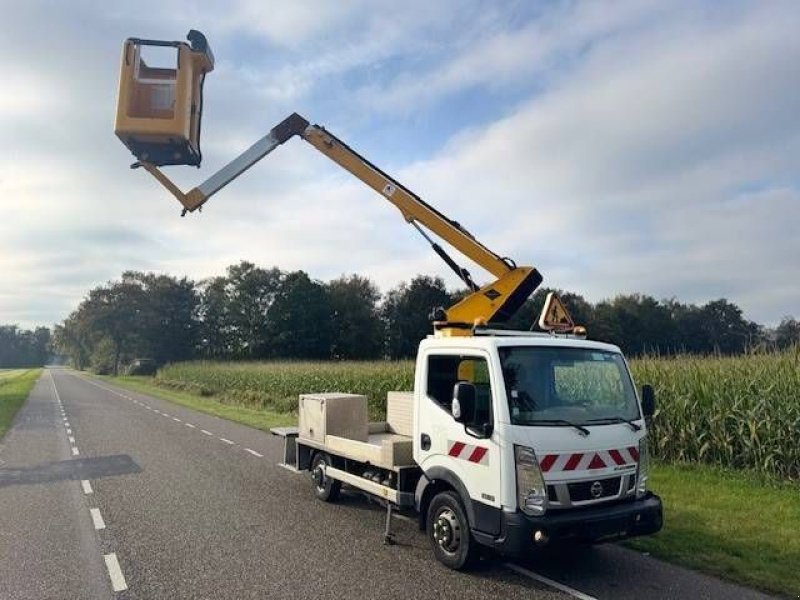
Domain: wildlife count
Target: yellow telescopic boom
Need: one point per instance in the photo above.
(496, 301)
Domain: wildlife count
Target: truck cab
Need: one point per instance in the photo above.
(541, 437)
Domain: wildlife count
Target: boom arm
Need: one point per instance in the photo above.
(496, 301)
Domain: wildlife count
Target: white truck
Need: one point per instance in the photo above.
(510, 440)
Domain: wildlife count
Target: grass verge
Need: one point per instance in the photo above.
(14, 390)
(730, 524)
(259, 419)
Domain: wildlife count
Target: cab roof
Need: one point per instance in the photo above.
(501, 338)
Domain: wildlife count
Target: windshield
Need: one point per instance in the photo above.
(583, 386)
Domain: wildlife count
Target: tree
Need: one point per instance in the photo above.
(71, 340)
(113, 315)
(356, 327)
(250, 293)
(725, 328)
(299, 319)
(217, 329)
(787, 333)
(23, 348)
(168, 329)
(406, 313)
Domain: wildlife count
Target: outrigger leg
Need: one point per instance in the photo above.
(388, 536)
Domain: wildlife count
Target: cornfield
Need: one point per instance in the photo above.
(276, 385)
(735, 412)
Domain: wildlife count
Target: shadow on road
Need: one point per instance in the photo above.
(75, 469)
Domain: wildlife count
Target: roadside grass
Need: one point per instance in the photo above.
(736, 525)
(15, 385)
(8, 373)
(256, 418)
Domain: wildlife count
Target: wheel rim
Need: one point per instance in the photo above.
(318, 475)
(447, 531)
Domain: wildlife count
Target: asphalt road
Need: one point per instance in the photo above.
(106, 493)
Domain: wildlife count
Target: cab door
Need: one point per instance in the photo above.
(471, 453)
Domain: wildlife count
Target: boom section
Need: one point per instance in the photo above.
(411, 206)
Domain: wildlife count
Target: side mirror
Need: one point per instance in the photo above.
(463, 407)
(648, 401)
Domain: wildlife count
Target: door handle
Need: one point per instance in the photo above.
(425, 441)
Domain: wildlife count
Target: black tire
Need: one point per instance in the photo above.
(449, 533)
(325, 488)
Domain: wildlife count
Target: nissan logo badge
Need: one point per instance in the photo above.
(596, 490)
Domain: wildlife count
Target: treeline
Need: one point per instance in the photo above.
(22, 348)
(257, 313)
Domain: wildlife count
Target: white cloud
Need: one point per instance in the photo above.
(658, 151)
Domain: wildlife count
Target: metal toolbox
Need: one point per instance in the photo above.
(342, 415)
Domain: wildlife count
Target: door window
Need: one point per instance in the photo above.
(445, 371)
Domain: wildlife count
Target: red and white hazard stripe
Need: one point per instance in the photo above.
(596, 459)
(474, 454)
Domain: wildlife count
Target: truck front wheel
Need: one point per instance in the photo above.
(325, 488)
(448, 531)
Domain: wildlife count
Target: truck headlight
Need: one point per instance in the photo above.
(642, 470)
(531, 489)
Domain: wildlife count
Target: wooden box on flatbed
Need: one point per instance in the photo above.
(342, 415)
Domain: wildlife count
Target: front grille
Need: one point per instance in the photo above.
(581, 491)
(551, 493)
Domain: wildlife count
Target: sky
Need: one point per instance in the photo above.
(619, 147)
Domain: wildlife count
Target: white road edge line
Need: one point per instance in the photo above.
(97, 518)
(87, 487)
(55, 389)
(254, 453)
(115, 573)
(226, 441)
(206, 432)
(74, 451)
(547, 581)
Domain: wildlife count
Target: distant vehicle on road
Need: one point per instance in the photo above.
(142, 366)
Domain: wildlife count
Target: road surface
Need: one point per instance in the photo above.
(107, 493)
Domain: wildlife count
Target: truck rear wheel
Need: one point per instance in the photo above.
(448, 531)
(325, 488)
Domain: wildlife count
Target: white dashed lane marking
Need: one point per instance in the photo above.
(226, 441)
(254, 453)
(176, 419)
(118, 583)
(550, 582)
(206, 432)
(190, 425)
(115, 573)
(97, 518)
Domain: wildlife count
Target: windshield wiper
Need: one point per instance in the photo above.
(580, 428)
(617, 419)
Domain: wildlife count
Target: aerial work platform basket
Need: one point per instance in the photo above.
(159, 107)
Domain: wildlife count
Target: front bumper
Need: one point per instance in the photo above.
(611, 522)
